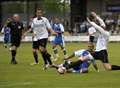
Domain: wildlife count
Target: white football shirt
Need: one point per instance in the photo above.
(83, 52)
(103, 37)
(40, 27)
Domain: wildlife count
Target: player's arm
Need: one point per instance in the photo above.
(99, 19)
(49, 28)
(29, 30)
(97, 27)
(95, 65)
(69, 57)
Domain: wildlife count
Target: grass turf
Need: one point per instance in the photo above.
(23, 75)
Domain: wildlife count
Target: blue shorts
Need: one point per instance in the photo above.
(7, 39)
(58, 41)
(83, 66)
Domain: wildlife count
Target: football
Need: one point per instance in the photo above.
(61, 70)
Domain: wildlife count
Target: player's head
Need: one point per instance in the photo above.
(90, 47)
(39, 12)
(91, 17)
(16, 17)
(57, 20)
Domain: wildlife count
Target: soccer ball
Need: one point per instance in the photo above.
(61, 70)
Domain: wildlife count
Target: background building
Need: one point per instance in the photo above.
(72, 12)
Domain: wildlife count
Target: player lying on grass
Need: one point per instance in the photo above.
(81, 65)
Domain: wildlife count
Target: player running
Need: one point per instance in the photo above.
(59, 39)
(40, 27)
(102, 41)
(81, 65)
(16, 35)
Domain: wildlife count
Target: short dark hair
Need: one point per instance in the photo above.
(38, 9)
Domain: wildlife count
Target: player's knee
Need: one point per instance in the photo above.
(13, 48)
(34, 50)
(43, 50)
(107, 67)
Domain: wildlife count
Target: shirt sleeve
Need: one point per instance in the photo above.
(101, 21)
(48, 24)
(62, 28)
(100, 29)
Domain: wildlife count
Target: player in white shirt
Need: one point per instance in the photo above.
(91, 33)
(102, 41)
(40, 27)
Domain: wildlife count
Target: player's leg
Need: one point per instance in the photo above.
(91, 39)
(55, 50)
(55, 42)
(74, 64)
(13, 54)
(62, 45)
(35, 52)
(5, 41)
(46, 56)
(104, 58)
(64, 51)
(84, 67)
(15, 41)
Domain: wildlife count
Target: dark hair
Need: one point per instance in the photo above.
(38, 9)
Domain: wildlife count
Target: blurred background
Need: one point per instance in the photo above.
(72, 12)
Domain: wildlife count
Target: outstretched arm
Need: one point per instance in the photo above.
(69, 57)
(95, 65)
(99, 19)
(99, 28)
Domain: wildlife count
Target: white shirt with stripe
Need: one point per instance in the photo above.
(40, 28)
(103, 36)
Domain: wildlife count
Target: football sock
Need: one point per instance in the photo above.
(64, 51)
(13, 53)
(48, 58)
(55, 51)
(44, 57)
(115, 67)
(35, 56)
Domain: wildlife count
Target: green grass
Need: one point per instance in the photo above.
(23, 75)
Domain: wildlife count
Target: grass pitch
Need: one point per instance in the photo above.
(23, 75)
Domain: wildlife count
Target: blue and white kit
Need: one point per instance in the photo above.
(59, 39)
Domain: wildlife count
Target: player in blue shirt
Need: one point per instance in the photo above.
(81, 65)
(59, 39)
(6, 32)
